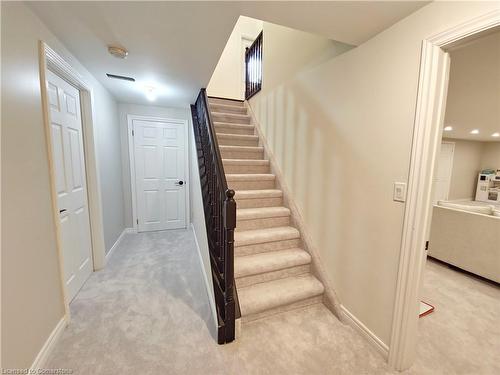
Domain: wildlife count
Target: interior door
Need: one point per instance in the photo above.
(160, 170)
(70, 180)
(444, 167)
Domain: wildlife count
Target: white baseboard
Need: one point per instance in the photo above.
(117, 242)
(205, 276)
(208, 283)
(371, 337)
(43, 355)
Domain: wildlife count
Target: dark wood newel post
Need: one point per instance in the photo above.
(229, 225)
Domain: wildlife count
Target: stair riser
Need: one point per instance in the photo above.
(266, 247)
(277, 310)
(268, 222)
(228, 109)
(230, 130)
(234, 154)
(259, 202)
(251, 185)
(229, 118)
(241, 169)
(226, 102)
(242, 282)
(223, 141)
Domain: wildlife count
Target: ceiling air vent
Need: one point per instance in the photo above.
(114, 76)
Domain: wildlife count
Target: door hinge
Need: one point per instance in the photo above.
(426, 245)
(137, 221)
(133, 133)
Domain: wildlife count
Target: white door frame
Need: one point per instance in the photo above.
(431, 100)
(131, 153)
(49, 59)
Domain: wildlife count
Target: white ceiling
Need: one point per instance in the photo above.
(474, 90)
(176, 45)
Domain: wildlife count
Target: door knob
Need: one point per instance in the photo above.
(180, 183)
(63, 210)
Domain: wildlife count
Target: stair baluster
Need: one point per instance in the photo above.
(220, 218)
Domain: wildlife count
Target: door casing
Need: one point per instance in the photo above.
(49, 59)
(430, 106)
(131, 152)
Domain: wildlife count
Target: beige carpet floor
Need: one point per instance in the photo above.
(146, 313)
(462, 335)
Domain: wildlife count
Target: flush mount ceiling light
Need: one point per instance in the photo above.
(152, 89)
(475, 131)
(150, 93)
(448, 128)
(496, 135)
(119, 52)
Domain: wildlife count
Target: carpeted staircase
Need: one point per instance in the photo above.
(272, 271)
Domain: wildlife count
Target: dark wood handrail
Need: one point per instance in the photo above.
(253, 73)
(213, 139)
(220, 218)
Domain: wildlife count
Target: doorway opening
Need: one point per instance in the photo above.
(429, 124)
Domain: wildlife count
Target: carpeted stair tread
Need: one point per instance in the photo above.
(236, 116)
(228, 102)
(260, 297)
(256, 194)
(256, 236)
(249, 176)
(261, 213)
(232, 125)
(243, 137)
(268, 262)
(245, 161)
(225, 108)
(256, 149)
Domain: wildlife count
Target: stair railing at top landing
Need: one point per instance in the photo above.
(253, 67)
(220, 218)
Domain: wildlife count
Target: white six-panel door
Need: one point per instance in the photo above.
(70, 181)
(160, 170)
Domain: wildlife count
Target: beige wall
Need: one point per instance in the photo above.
(473, 100)
(32, 303)
(469, 158)
(490, 157)
(109, 156)
(341, 129)
(466, 166)
(226, 81)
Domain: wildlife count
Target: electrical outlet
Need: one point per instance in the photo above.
(399, 194)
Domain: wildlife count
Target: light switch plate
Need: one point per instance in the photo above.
(399, 194)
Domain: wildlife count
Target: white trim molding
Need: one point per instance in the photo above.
(209, 287)
(49, 59)
(118, 241)
(131, 154)
(372, 338)
(48, 346)
(430, 108)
